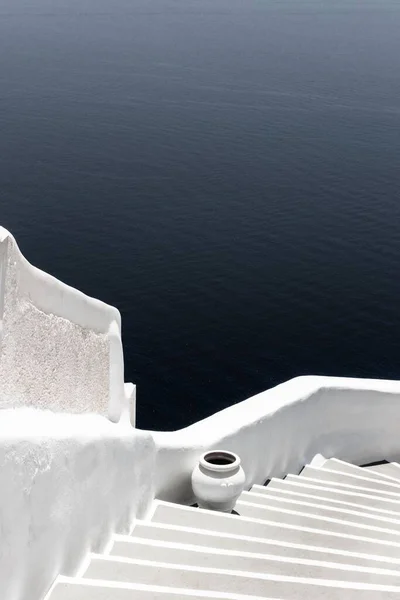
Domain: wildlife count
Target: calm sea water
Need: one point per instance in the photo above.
(226, 172)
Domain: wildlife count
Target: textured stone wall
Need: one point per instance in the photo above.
(49, 359)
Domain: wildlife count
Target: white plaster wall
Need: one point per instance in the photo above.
(59, 349)
(67, 484)
(280, 430)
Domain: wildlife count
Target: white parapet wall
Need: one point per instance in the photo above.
(282, 429)
(67, 484)
(59, 349)
(73, 470)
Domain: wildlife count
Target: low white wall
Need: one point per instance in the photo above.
(67, 484)
(59, 349)
(280, 430)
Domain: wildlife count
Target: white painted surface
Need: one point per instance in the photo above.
(236, 581)
(70, 481)
(388, 470)
(282, 429)
(228, 542)
(341, 466)
(59, 349)
(87, 589)
(67, 484)
(218, 486)
(281, 561)
(281, 590)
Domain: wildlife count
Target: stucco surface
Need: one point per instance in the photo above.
(59, 349)
(282, 429)
(68, 482)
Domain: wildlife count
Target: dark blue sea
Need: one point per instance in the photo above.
(225, 172)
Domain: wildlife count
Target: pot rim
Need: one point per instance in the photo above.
(233, 464)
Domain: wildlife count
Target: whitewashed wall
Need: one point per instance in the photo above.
(59, 349)
(69, 477)
(280, 430)
(67, 484)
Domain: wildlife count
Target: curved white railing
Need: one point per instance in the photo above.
(280, 430)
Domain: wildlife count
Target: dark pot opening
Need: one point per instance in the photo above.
(220, 458)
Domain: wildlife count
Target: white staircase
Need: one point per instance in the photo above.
(332, 532)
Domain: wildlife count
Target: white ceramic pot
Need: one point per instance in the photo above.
(218, 480)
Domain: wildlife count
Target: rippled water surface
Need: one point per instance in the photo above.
(225, 172)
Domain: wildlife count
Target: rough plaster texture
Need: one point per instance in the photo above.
(280, 430)
(68, 483)
(59, 349)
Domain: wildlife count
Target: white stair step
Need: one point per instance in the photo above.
(165, 512)
(86, 589)
(161, 533)
(233, 582)
(333, 464)
(342, 524)
(181, 554)
(305, 492)
(289, 490)
(346, 481)
(388, 469)
(344, 513)
(330, 492)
